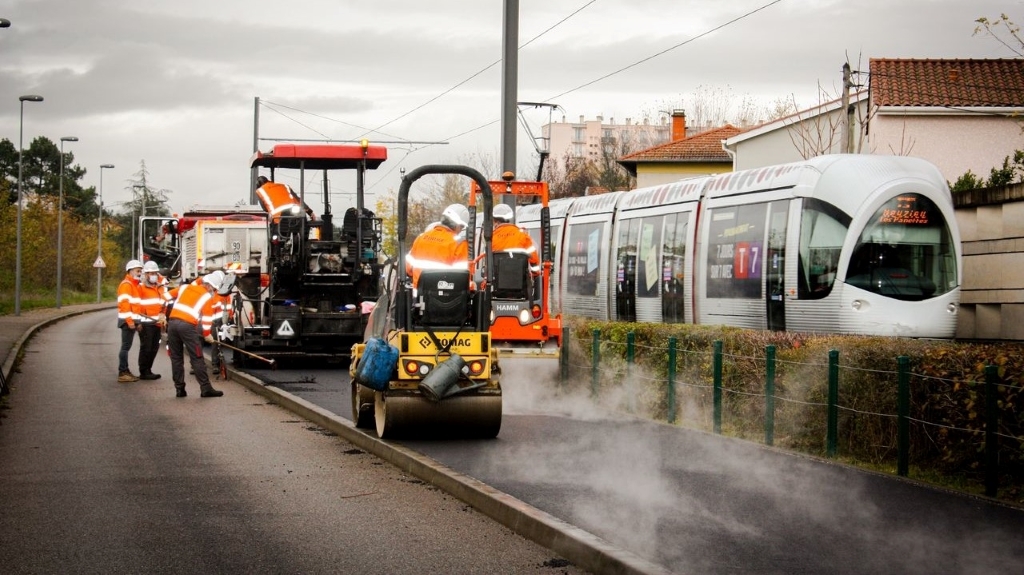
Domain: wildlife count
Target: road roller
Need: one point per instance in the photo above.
(426, 367)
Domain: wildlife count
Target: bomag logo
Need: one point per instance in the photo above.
(445, 285)
(459, 342)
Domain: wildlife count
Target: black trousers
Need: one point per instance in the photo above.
(149, 345)
(184, 338)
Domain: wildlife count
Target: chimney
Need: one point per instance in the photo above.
(678, 125)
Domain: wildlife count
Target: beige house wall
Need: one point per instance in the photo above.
(954, 143)
(651, 174)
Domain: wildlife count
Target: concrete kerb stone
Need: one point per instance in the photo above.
(581, 547)
(12, 356)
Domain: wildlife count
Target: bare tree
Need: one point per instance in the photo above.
(1004, 31)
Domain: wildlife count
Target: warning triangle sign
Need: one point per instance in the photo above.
(99, 263)
(285, 329)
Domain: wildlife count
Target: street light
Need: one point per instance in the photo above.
(99, 236)
(17, 265)
(60, 218)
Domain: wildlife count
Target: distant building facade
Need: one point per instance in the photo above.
(590, 140)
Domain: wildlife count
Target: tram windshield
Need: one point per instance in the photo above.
(823, 229)
(905, 252)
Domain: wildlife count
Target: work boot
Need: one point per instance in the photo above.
(211, 393)
(126, 377)
(180, 393)
(149, 376)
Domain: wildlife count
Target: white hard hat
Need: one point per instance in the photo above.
(150, 267)
(132, 264)
(504, 213)
(455, 215)
(214, 279)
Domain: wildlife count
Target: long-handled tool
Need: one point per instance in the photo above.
(250, 354)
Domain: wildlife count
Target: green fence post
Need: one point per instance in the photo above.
(902, 420)
(717, 414)
(563, 356)
(630, 357)
(671, 380)
(769, 396)
(595, 374)
(833, 403)
(991, 439)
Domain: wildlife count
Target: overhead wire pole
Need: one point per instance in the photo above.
(509, 86)
(845, 146)
(255, 148)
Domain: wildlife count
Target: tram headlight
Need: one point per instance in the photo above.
(951, 308)
(859, 305)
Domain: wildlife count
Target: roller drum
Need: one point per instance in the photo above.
(362, 406)
(411, 415)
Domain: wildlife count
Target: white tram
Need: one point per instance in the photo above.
(841, 243)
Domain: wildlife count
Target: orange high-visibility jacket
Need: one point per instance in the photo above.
(277, 198)
(194, 305)
(436, 248)
(127, 301)
(510, 239)
(151, 303)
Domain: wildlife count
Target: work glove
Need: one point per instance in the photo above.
(138, 327)
(161, 320)
(208, 338)
(225, 332)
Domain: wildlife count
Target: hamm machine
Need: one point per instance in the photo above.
(427, 366)
(308, 299)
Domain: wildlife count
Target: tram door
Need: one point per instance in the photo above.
(775, 263)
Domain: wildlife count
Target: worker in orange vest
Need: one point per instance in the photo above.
(440, 246)
(127, 314)
(151, 318)
(278, 199)
(187, 326)
(509, 238)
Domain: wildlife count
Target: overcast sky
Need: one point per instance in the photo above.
(173, 83)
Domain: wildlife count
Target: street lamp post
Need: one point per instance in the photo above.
(60, 218)
(17, 265)
(99, 236)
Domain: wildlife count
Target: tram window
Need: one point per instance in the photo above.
(823, 229)
(584, 258)
(647, 270)
(672, 271)
(905, 252)
(735, 251)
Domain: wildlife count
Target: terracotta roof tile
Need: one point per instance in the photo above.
(952, 82)
(702, 147)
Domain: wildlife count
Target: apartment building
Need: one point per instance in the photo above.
(587, 139)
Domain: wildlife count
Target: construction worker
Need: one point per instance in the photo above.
(127, 315)
(187, 326)
(223, 311)
(150, 318)
(440, 245)
(277, 199)
(508, 238)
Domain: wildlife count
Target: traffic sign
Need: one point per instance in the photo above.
(99, 263)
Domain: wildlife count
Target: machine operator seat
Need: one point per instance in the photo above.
(444, 298)
(512, 276)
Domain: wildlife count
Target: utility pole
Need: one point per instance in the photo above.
(255, 147)
(846, 146)
(509, 84)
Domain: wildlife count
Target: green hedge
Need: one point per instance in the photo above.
(946, 388)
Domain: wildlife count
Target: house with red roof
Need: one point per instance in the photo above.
(960, 114)
(697, 155)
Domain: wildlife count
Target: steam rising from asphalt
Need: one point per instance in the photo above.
(723, 494)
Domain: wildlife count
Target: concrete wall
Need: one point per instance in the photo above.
(991, 225)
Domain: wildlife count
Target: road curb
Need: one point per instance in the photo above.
(12, 357)
(581, 547)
